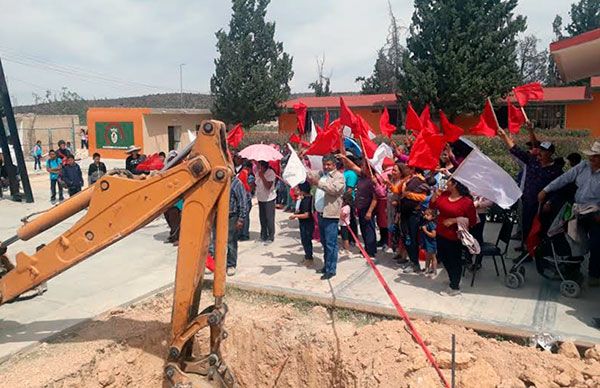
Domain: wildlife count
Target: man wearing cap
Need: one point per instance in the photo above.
(541, 170)
(134, 159)
(586, 175)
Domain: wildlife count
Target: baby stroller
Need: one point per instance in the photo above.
(554, 256)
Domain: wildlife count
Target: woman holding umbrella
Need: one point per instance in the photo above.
(265, 187)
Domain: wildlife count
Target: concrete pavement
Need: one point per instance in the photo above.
(141, 263)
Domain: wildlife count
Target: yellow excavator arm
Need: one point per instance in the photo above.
(116, 207)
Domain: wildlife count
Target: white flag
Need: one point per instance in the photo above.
(295, 172)
(382, 152)
(316, 162)
(313, 131)
(485, 178)
(191, 135)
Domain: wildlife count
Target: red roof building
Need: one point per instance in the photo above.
(569, 107)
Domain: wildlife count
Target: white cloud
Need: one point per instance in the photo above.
(145, 41)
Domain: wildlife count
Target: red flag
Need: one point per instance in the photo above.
(326, 123)
(413, 122)
(347, 117)
(516, 118)
(385, 127)
(451, 132)
(300, 110)
(318, 129)
(426, 122)
(361, 128)
(425, 152)
(326, 142)
(487, 125)
(368, 146)
(534, 238)
(295, 139)
(151, 163)
(235, 136)
(532, 91)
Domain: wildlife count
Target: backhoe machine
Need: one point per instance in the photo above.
(117, 206)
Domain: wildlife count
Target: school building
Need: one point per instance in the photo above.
(112, 130)
(569, 108)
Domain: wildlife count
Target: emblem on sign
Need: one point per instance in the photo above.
(114, 136)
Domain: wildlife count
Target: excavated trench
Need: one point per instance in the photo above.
(281, 343)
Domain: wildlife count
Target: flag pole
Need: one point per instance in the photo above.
(522, 110)
(362, 146)
(494, 112)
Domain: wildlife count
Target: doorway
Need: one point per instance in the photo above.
(174, 136)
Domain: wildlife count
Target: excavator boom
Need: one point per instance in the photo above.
(116, 207)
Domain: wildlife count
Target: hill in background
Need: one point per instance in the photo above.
(166, 100)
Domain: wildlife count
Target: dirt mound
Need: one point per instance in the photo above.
(274, 344)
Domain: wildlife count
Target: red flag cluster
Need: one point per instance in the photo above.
(235, 136)
(430, 141)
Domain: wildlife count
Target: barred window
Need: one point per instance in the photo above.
(546, 116)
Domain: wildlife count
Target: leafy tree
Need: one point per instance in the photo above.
(322, 84)
(252, 71)
(388, 65)
(532, 63)
(585, 16)
(461, 51)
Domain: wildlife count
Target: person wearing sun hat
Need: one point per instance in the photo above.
(134, 159)
(586, 175)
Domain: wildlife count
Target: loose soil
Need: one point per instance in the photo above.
(281, 343)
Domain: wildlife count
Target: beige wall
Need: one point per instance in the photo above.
(155, 129)
(49, 129)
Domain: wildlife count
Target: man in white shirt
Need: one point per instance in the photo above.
(266, 195)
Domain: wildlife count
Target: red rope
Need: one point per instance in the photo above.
(400, 310)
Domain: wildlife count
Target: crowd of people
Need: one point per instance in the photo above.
(414, 214)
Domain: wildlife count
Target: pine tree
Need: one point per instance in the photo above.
(461, 51)
(585, 16)
(252, 71)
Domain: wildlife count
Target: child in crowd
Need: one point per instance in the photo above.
(304, 214)
(345, 220)
(428, 242)
(71, 176)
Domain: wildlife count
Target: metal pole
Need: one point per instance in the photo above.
(181, 85)
(453, 360)
(14, 135)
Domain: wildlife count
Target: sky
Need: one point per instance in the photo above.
(116, 48)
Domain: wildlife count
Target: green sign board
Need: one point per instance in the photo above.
(114, 135)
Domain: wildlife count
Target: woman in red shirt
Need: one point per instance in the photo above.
(454, 203)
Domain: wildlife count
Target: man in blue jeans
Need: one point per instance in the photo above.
(328, 204)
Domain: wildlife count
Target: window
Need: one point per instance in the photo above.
(318, 116)
(546, 116)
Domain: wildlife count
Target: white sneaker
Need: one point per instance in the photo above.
(230, 271)
(450, 292)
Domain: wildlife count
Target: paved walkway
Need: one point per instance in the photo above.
(142, 263)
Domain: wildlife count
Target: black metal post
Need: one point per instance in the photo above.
(14, 135)
(9, 166)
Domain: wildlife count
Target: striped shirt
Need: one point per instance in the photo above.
(238, 200)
